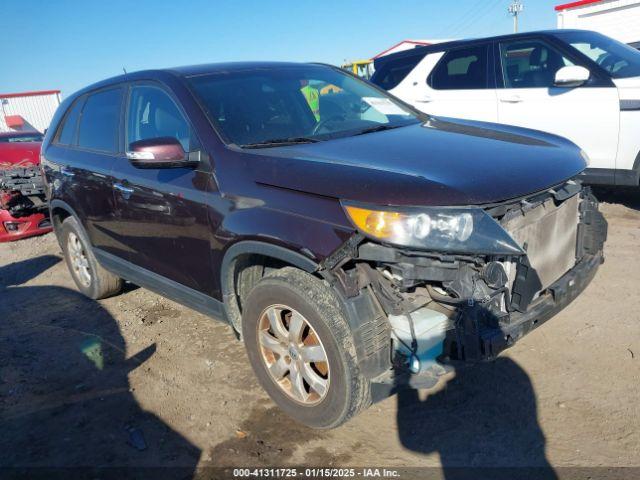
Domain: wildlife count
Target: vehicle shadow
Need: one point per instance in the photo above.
(627, 196)
(66, 406)
(482, 423)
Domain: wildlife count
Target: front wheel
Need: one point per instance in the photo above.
(301, 349)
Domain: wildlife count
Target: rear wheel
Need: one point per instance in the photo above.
(301, 349)
(90, 278)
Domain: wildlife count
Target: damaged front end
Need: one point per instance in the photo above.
(23, 205)
(416, 312)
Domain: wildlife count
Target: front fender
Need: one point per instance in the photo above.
(292, 238)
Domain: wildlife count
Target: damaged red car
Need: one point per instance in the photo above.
(23, 207)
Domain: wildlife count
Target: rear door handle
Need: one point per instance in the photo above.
(511, 99)
(424, 99)
(124, 191)
(66, 172)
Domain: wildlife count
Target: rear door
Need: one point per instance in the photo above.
(162, 216)
(588, 115)
(90, 136)
(456, 83)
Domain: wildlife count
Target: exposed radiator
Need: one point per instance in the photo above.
(549, 234)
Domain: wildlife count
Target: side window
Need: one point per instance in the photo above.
(153, 114)
(99, 122)
(67, 135)
(530, 64)
(462, 69)
(392, 72)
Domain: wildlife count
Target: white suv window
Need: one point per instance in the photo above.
(530, 64)
(462, 69)
(392, 72)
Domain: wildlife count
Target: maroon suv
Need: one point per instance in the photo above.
(355, 245)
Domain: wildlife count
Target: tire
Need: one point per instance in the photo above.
(340, 390)
(91, 279)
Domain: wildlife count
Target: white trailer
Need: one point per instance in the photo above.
(28, 110)
(619, 19)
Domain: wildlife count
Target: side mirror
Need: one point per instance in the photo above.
(162, 152)
(572, 76)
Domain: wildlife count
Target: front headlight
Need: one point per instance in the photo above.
(444, 229)
(585, 157)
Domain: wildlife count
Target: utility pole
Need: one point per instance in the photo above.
(515, 9)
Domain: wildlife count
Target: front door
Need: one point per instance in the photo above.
(162, 212)
(588, 115)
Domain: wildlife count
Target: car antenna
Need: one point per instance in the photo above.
(124, 70)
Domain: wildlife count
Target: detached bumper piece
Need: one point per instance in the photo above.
(479, 341)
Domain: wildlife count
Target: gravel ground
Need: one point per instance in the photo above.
(137, 380)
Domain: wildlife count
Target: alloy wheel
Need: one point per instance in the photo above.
(293, 354)
(79, 261)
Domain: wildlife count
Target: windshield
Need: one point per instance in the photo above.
(270, 106)
(21, 137)
(620, 60)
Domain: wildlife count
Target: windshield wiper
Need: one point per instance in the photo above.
(377, 128)
(278, 142)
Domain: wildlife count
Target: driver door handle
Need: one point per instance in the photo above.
(124, 191)
(424, 99)
(66, 172)
(511, 99)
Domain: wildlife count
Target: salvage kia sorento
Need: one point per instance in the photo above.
(354, 244)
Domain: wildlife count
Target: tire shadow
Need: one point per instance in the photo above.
(627, 196)
(65, 397)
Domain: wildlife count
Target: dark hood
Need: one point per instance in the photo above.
(440, 162)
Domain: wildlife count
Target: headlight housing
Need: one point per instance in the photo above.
(585, 157)
(444, 229)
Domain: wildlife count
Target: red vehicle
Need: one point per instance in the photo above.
(23, 208)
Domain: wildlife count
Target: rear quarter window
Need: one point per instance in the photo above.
(99, 121)
(69, 125)
(392, 72)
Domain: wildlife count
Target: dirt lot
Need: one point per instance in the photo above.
(139, 380)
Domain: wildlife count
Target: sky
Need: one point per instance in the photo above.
(68, 44)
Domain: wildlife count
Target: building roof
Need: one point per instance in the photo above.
(34, 93)
(414, 42)
(578, 3)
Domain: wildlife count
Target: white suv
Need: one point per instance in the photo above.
(578, 84)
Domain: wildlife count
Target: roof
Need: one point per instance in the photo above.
(437, 47)
(184, 71)
(578, 3)
(190, 70)
(34, 93)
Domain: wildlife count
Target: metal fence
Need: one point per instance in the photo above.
(36, 109)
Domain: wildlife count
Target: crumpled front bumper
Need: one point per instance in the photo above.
(559, 295)
(479, 333)
(481, 339)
